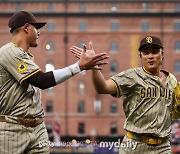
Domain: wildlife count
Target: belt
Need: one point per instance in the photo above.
(27, 122)
(147, 139)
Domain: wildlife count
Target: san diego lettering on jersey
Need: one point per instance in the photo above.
(154, 92)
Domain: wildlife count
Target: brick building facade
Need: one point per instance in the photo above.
(115, 27)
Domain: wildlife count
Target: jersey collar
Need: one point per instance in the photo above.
(30, 54)
(164, 71)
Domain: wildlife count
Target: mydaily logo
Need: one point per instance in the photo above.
(118, 144)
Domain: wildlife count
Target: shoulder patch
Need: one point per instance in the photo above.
(21, 67)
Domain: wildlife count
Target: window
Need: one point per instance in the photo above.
(82, 26)
(49, 91)
(50, 131)
(114, 26)
(97, 105)
(114, 7)
(113, 129)
(177, 47)
(49, 66)
(114, 66)
(50, 26)
(114, 108)
(80, 44)
(177, 66)
(81, 128)
(49, 127)
(50, 46)
(145, 6)
(81, 107)
(50, 7)
(177, 7)
(145, 26)
(49, 107)
(18, 7)
(114, 47)
(81, 87)
(177, 26)
(82, 7)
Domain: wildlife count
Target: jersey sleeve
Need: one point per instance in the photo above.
(19, 64)
(124, 82)
(173, 80)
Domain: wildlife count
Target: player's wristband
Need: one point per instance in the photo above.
(63, 74)
(74, 69)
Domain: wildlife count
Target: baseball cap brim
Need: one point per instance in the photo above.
(145, 45)
(38, 25)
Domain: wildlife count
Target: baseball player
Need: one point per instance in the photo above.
(22, 130)
(147, 99)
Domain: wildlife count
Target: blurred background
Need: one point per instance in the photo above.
(77, 118)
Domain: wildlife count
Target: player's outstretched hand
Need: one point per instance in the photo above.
(88, 59)
(78, 51)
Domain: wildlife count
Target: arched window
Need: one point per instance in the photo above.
(49, 66)
(50, 46)
(81, 106)
(114, 66)
(113, 107)
(177, 46)
(177, 66)
(145, 26)
(81, 87)
(49, 106)
(113, 47)
(81, 128)
(113, 129)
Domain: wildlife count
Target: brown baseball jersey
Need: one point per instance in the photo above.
(147, 102)
(18, 98)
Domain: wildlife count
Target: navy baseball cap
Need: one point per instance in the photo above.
(20, 18)
(150, 40)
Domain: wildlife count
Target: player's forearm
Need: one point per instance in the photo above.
(99, 81)
(46, 80)
(63, 74)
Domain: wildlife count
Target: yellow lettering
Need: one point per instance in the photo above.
(148, 92)
(143, 92)
(170, 95)
(161, 92)
(154, 92)
(166, 93)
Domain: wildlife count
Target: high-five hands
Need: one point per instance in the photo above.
(88, 59)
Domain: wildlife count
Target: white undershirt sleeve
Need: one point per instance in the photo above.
(63, 74)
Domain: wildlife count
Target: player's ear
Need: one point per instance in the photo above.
(162, 55)
(140, 54)
(25, 27)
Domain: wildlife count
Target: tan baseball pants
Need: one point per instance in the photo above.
(131, 146)
(18, 139)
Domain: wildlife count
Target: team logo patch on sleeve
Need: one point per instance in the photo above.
(21, 67)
